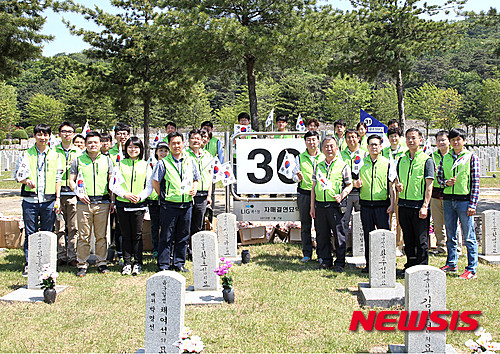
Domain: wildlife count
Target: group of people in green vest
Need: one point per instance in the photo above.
(342, 175)
(73, 192)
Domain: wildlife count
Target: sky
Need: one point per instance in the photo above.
(64, 42)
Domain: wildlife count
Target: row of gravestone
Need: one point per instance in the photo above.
(8, 159)
(489, 239)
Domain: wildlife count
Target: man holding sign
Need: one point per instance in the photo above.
(331, 184)
(305, 164)
(458, 173)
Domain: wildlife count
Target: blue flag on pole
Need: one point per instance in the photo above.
(373, 125)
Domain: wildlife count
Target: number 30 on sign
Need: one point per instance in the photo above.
(258, 162)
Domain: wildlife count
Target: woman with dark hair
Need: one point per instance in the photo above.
(363, 138)
(129, 185)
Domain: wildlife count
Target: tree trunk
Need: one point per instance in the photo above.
(252, 95)
(474, 134)
(147, 110)
(496, 134)
(401, 100)
(487, 137)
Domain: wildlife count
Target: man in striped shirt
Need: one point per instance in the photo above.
(458, 173)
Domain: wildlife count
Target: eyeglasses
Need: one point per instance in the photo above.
(121, 134)
(373, 145)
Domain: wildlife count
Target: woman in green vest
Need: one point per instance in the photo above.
(161, 152)
(129, 185)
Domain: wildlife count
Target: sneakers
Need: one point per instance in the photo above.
(103, 269)
(81, 272)
(137, 269)
(338, 269)
(448, 269)
(305, 259)
(399, 253)
(25, 271)
(468, 275)
(127, 270)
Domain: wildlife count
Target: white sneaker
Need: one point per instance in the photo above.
(399, 253)
(127, 270)
(137, 269)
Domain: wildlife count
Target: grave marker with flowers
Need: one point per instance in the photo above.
(227, 281)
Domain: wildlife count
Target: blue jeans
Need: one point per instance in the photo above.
(453, 211)
(34, 213)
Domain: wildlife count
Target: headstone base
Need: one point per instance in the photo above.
(400, 348)
(356, 261)
(382, 297)
(234, 260)
(29, 295)
(494, 260)
(203, 297)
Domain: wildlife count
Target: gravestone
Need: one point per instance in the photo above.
(42, 251)
(205, 260)
(358, 239)
(490, 237)
(164, 311)
(382, 290)
(226, 235)
(425, 291)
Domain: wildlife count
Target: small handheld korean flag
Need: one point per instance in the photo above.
(116, 179)
(270, 118)
(53, 142)
(325, 182)
(24, 169)
(186, 185)
(80, 185)
(157, 139)
(427, 146)
(300, 125)
(287, 165)
(228, 174)
(120, 155)
(357, 163)
(393, 173)
(461, 161)
(86, 129)
(152, 161)
(217, 171)
(238, 128)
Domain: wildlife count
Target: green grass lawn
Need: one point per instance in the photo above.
(8, 184)
(281, 306)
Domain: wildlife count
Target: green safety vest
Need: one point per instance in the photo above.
(374, 177)
(463, 182)
(411, 175)
(50, 167)
(397, 155)
(173, 179)
(134, 173)
(211, 147)
(436, 156)
(95, 174)
(283, 136)
(66, 163)
(203, 166)
(334, 174)
(343, 144)
(307, 168)
(363, 142)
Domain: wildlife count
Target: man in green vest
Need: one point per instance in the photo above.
(203, 197)
(458, 173)
(214, 146)
(89, 178)
(38, 171)
(170, 127)
(377, 195)
(353, 155)
(339, 126)
(415, 174)
(175, 180)
(397, 150)
(443, 147)
(66, 244)
(281, 123)
(332, 183)
(302, 174)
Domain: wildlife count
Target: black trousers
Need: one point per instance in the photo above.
(198, 214)
(304, 204)
(329, 220)
(415, 235)
(131, 229)
(373, 218)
